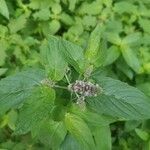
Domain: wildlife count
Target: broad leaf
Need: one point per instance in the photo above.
(36, 110)
(17, 88)
(120, 100)
(91, 118)
(93, 48)
(73, 55)
(4, 9)
(52, 58)
(70, 143)
(79, 129)
(50, 133)
(102, 136)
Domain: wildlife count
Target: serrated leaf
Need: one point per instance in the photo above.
(79, 129)
(43, 14)
(17, 88)
(123, 6)
(73, 55)
(4, 9)
(120, 100)
(50, 133)
(36, 110)
(102, 136)
(93, 48)
(93, 8)
(91, 118)
(52, 58)
(38, 4)
(17, 24)
(131, 58)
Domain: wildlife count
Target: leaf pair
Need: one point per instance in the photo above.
(57, 54)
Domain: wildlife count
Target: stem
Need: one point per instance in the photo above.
(61, 87)
(67, 79)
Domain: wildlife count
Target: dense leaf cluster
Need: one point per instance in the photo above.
(100, 41)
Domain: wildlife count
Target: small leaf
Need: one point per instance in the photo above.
(17, 88)
(79, 129)
(3, 71)
(131, 58)
(142, 134)
(120, 100)
(113, 38)
(112, 54)
(125, 7)
(17, 24)
(4, 9)
(43, 14)
(132, 38)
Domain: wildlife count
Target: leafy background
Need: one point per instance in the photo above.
(124, 33)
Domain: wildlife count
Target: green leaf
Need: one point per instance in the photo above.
(120, 100)
(36, 110)
(4, 9)
(43, 14)
(73, 55)
(17, 88)
(131, 58)
(132, 38)
(3, 47)
(93, 8)
(54, 26)
(52, 58)
(93, 48)
(70, 143)
(102, 136)
(145, 88)
(113, 38)
(17, 24)
(112, 54)
(125, 7)
(93, 119)
(142, 134)
(3, 71)
(144, 23)
(66, 18)
(50, 133)
(79, 129)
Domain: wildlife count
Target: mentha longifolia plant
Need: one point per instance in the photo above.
(68, 99)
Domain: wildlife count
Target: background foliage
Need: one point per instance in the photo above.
(122, 27)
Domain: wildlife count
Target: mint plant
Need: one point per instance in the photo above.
(52, 113)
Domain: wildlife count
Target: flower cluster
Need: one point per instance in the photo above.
(85, 88)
